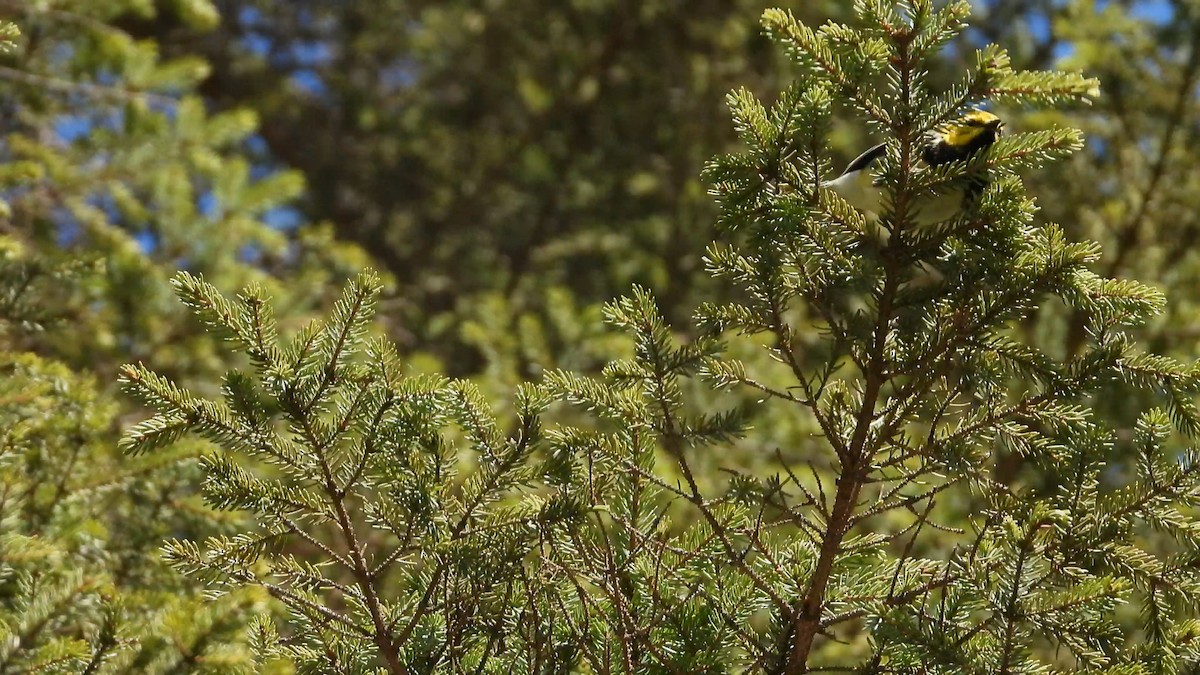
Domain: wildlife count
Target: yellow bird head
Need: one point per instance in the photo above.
(960, 138)
(964, 131)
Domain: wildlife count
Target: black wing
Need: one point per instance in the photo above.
(864, 160)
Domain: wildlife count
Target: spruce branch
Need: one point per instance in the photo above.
(905, 482)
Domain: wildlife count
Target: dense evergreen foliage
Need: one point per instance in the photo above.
(819, 444)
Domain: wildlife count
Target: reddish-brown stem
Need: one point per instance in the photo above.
(855, 460)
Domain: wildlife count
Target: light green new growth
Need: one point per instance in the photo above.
(8, 36)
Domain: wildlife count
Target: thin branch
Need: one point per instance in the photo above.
(89, 89)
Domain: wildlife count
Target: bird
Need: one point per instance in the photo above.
(955, 141)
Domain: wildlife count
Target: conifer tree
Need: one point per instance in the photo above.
(384, 550)
(406, 530)
(111, 156)
(83, 588)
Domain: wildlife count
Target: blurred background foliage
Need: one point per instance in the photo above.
(509, 164)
